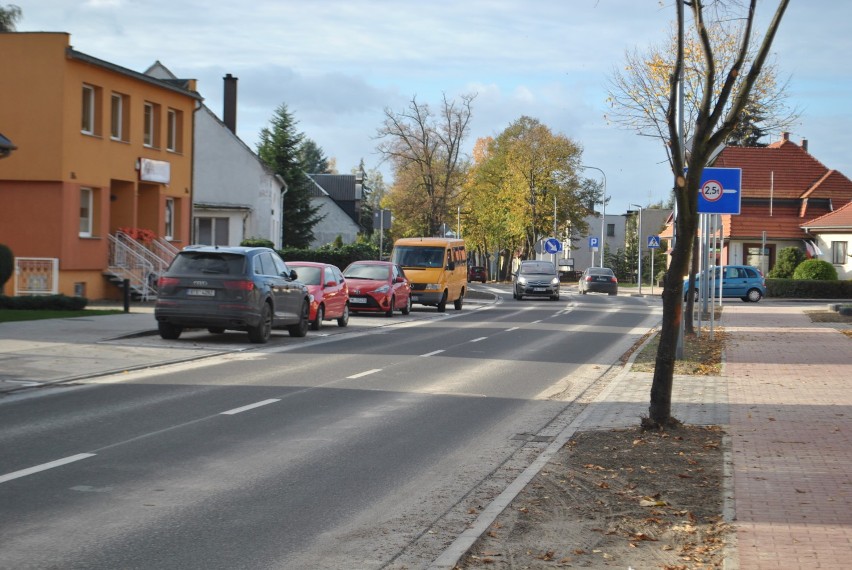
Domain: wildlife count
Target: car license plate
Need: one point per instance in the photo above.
(358, 300)
(414, 298)
(201, 292)
(539, 289)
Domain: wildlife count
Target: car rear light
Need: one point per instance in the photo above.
(167, 282)
(614, 279)
(242, 285)
(589, 278)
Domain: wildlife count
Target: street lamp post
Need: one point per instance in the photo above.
(639, 246)
(603, 209)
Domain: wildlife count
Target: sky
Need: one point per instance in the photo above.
(338, 64)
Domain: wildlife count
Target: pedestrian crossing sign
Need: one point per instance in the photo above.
(653, 242)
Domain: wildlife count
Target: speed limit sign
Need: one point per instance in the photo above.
(712, 190)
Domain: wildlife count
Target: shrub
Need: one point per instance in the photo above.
(7, 264)
(815, 269)
(257, 242)
(788, 259)
(43, 302)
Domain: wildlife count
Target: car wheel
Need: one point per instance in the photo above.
(613, 293)
(389, 312)
(316, 324)
(344, 318)
(554, 297)
(407, 308)
(442, 305)
(260, 333)
(754, 295)
(169, 331)
(300, 329)
(457, 304)
(694, 295)
(483, 281)
(216, 330)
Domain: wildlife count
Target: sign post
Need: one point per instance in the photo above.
(653, 243)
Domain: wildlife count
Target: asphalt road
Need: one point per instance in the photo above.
(372, 448)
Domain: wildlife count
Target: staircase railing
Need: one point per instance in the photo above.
(126, 262)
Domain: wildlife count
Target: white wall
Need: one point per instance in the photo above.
(844, 271)
(335, 223)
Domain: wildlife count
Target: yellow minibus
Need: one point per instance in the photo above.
(436, 268)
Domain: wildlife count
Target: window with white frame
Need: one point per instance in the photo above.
(86, 212)
(88, 114)
(211, 231)
(838, 252)
(170, 218)
(118, 117)
(173, 131)
(148, 136)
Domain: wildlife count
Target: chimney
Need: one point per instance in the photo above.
(785, 136)
(229, 114)
(805, 145)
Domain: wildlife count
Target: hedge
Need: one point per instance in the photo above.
(43, 302)
(809, 289)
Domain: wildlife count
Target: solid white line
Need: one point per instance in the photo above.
(478, 339)
(512, 329)
(249, 407)
(44, 467)
(433, 353)
(365, 373)
(535, 322)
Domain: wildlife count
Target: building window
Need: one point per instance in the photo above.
(86, 212)
(90, 123)
(119, 119)
(211, 231)
(169, 217)
(174, 136)
(151, 136)
(610, 230)
(838, 253)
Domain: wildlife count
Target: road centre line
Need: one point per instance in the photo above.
(479, 339)
(365, 373)
(44, 467)
(250, 407)
(433, 353)
(512, 329)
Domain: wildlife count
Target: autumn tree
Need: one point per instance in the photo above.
(726, 92)
(424, 149)
(280, 148)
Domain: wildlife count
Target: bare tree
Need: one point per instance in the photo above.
(425, 151)
(717, 115)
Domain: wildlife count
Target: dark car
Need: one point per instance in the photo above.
(231, 288)
(476, 273)
(378, 286)
(741, 281)
(598, 280)
(536, 278)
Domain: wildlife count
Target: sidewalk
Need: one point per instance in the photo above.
(785, 399)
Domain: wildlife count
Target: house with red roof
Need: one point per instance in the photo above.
(783, 189)
(832, 234)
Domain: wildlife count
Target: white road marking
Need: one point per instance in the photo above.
(365, 373)
(512, 329)
(433, 353)
(479, 339)
(250, 407)
(44, 467)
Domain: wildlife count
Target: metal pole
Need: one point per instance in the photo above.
(381, 231)
(603, 213)
(639, 248)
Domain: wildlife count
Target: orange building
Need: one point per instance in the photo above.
(100, 149)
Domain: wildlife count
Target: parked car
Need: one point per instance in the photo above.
(231, 288)
(328, 289)
(743, 281)
(536, 278)
(378, 286)
(598, 280)
(476, 273)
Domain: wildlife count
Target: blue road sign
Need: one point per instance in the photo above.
(719, 191)
(594, 242)
(552, 245)
(653, 241)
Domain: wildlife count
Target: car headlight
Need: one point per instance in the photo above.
(554, 281)
(522, 280)
(433, 287)
(382, 289)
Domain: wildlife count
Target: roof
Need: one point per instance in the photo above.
(840, 219)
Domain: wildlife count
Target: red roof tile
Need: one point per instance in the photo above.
(838, 219)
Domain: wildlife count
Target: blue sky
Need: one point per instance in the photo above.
(338, 63)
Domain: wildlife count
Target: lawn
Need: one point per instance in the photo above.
(11, 315)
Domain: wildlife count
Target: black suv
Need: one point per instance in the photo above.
(241, 288)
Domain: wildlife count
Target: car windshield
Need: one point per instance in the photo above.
(208, 263)
(542, 267)
(375, 272)
(410, 256)
(308, 275)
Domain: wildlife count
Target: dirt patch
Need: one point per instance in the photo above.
(832, 317)
(617, 499)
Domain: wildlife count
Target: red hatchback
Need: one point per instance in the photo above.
(378, 286)
(329, 293)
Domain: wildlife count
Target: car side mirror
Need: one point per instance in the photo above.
(451, 266)
(293, 275)
(399, 279)
(330, 283)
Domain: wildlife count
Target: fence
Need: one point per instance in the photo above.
(36, 276)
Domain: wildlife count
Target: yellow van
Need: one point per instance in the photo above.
(436, 267)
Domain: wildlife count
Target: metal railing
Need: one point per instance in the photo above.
(128, 261)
